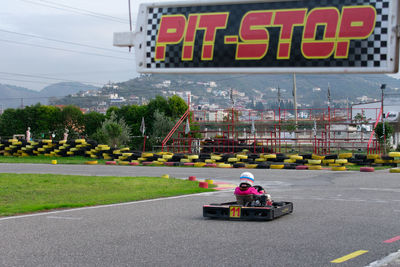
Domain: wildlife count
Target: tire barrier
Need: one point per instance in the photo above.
(243, 159)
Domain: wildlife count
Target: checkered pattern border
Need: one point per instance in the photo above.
(370, 53)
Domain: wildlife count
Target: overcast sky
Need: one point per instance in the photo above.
(29, 62)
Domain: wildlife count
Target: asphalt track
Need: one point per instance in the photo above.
(348, 217)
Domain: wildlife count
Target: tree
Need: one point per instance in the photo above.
(92, 121)
(113, 132)
(388, 133)
(177, 107)
(72, 120)
(161, 126)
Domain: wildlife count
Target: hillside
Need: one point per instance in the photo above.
(257, 87)
(13, 96)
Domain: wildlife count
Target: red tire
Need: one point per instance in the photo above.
(134, 163)
(367, 169)
(203, 184)
(192, 178)
(302, 167)
(111, 162)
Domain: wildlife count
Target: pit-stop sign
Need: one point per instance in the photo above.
(268, 37)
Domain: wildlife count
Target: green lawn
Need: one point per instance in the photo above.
(45, 159)
(24, 193)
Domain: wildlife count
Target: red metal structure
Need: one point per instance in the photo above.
(320, 131)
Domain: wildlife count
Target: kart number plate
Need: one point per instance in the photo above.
(235, 211)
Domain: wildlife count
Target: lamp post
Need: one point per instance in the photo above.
(383, 86)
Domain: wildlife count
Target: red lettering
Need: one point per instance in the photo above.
(287, 19)
(254, 35)
(312, 48)
(170, 32)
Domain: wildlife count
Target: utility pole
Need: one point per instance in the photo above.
(295, 107)
(383, 86)
(22, 102)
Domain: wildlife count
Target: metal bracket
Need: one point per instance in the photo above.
(124, 39)
(398, 30)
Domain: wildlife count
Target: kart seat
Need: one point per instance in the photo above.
(244, 200)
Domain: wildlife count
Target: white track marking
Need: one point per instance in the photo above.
(64, 218)
(386, 260)
(106, 206)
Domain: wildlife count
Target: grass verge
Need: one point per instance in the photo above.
(24, 193)
(46, 159)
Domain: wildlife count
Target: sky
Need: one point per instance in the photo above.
(70, 33)
(49, 41)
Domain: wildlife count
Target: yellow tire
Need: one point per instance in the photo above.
(314, 161)
(223, 165)
(269, 156)
(373, 156)
(147, 155)
(185, 160)
(241, 156)
(216, 157)
(379, 161)
(394, 154)
(123, 162)
(250, 166)
(199, 164)
(260, 159)
(317, 157)
(328, 161)
(296, 157)
(345, 155)
(289, 161)
(315, 167)
(341, 161)
(276, 167)
(193, 157)
(340, 168)
(165, 176)
(209, 161)
(395, 170)
(233, 160)
(209, 181)
(91, 162)
(166, 156)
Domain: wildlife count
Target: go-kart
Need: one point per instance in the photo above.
(251, 207)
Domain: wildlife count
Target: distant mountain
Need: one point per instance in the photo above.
(12, 96)
(311, 88)
(15, 96)
(65, 88)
